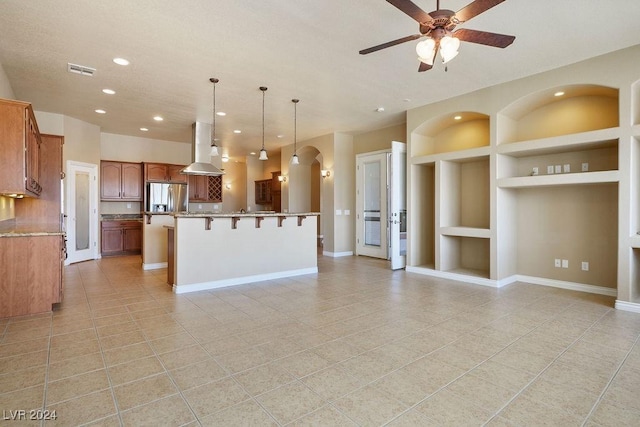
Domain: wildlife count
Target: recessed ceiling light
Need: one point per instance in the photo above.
(144, 129)
(380, 110)
(101, 111)
(237, 131)
(109, 91)
(253, 153)
(560, 93)
(280, 136)
(221, 113)
(120, 61)
(406, 100)
(457, 117)
(158, 119)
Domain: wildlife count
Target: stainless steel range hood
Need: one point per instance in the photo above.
(201, 147)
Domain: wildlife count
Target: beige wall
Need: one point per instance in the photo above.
(234, 198)
(379, 139)
(136, 149)
(6, 91)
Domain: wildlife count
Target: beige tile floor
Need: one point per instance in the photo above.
(356, 344)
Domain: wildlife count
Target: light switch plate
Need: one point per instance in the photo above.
(534, 172)
(558, 168)
(566, 168)
(338, 212)
(557, 263)
(550, 170)
(347, 212)
(585, 167)
(565, 263)
(585, 266)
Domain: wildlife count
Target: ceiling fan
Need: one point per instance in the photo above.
(437, 29)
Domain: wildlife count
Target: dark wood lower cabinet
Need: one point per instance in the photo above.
(121, 237)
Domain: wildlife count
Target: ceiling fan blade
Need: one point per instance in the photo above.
(484, 37)
(410, 8)
(475, 8)
(389, 44)
(424, 67)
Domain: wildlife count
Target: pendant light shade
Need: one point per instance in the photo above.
(263, 152)
(214, 147)
(294, 158)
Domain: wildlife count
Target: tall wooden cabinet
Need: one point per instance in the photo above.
(32, 262)
(20, 143)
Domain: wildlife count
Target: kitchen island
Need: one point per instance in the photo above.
(208, 251)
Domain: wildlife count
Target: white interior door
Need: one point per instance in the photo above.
(82, 212)
(398, 205)
(371, 205)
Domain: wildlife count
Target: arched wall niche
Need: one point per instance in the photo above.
(557, 111)
(451, 131)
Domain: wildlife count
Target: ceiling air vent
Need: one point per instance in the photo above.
(80, 69)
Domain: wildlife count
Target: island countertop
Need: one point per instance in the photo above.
(238, 214)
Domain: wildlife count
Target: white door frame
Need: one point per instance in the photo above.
(381, 250)
(92, 252)
(398, 205)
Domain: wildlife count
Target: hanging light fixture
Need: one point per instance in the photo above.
(214, 147)
(294, 158)
(263, 152)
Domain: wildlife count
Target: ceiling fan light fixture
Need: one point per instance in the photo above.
(449, 48)
(425, 50)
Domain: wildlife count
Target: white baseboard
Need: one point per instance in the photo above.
(628, 306)
(194, 287)
(574, 286)
(475, 280)
(156, 266)
(337, 254)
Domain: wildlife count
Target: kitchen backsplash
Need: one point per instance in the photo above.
(120, 207)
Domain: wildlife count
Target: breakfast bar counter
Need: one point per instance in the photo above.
(209, 251)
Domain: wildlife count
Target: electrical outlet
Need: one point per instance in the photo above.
(585, 266)
(534, 171)
(199, 206)
(550, 170)
(585, 167)
(338, 212)
(347, 212)
(558, 168)
(557, 262)
(565, 263)
(566, 168)
(128, 205)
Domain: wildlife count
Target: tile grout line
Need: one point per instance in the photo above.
(613, 377)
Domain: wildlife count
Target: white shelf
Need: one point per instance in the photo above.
(470, 272)
(635, 241)
(480, 233)
(462, 155)
(582, 178)
(635, 130)
(573, 142)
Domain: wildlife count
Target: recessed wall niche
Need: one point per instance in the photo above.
(545, 114)
(450, 132)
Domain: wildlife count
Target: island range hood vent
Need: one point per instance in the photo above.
(200, 165)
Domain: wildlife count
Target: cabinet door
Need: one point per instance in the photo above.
(132, 239)
(175, 175)
(197, 188)
(214, 189)
(132, 181)
(110, 180)
(155, 172)
(32, 161)
(112, 240)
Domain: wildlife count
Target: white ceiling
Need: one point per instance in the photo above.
(306, 49)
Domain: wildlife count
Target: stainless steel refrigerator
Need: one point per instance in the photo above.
(163, 197)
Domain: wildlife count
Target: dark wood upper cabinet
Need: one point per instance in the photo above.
(120, 181)
(20, 145)
(162, 172)
(205, 188)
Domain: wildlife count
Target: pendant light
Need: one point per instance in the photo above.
(263, 152)
(214, 147)
(294, 158)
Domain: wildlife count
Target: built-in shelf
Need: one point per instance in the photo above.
(581, 178)
(455, 131)
(635, 241)
(454, 156)
(582, 141)
(480, 233)
(635, 130)
(473, 272)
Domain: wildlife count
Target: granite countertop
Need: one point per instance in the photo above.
(11, 229)
(247, 214)
(121, 217)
